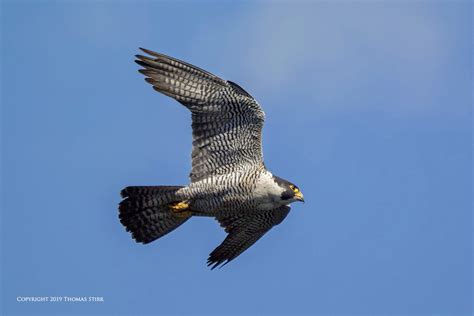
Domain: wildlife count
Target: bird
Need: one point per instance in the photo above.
(228, 179)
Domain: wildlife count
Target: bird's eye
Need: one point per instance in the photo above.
(294, 188)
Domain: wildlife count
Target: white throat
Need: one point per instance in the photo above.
(267, 192)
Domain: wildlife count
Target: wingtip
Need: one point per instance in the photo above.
(213, 263)
(141, 63)
(149, 52)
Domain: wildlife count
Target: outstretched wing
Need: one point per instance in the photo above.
(243, 231)
(226, 121)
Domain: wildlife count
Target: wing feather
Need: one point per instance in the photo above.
(243, 231)
(227, 121)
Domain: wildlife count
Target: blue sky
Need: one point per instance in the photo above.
(368, 108)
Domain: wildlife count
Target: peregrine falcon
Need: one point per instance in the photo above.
(228, 179)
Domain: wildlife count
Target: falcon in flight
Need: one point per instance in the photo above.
(229, 180)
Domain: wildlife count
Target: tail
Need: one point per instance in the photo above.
(146, 213)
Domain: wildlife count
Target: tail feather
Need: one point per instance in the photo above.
(148, 190)
(145, 213)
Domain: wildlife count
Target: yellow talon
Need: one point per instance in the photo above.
(179, 207)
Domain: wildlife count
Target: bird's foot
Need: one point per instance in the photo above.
(180, 209)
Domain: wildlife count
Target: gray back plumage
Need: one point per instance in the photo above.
(227, 121)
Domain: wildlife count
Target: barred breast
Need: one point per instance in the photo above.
(219, 194)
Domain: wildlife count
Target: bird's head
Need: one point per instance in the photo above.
(291, 192)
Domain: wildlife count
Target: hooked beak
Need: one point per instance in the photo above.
(299, 196)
